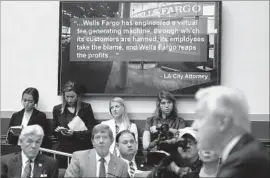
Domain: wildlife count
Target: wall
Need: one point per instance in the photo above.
(29, 57)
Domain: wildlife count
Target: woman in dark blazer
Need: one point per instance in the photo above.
(30, 116)
(63, 114)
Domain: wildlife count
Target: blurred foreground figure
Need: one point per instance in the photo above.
(223, 126)
(211, 163)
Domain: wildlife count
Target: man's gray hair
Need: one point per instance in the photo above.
(225, 101)
(31, 130)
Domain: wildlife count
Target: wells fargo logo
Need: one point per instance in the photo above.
(177, 10)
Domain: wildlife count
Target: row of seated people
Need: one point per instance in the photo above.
(185, 160)
(222, 125)
(73, 140)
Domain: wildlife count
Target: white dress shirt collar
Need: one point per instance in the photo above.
(228, 148)
(107, 158)
(26, 118)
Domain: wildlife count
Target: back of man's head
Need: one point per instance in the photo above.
(228, 102)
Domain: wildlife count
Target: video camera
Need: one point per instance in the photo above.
(163, 134)
(161, 160)
(182, 143)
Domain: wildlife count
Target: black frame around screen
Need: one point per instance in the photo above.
(67, 71)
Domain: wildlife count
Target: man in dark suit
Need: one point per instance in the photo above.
(127, 146)
(97, 162)
(28, 162)
(223, 126)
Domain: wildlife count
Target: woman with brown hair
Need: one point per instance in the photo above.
(72, 108)
(165, 113)
(29, 115)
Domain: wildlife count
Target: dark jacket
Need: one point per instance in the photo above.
(248, 159)
(80, 140)
(38, 118)
(161, 171)
(43, 165)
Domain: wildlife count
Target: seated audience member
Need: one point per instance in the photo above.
(97, 162)
(210, 163)
(223, 126)
(166, 113)
(71, 109)
(120, 121)
(28, 162)
(127, 146)
(29, 115)
(184, 162)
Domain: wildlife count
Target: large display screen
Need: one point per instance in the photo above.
(140, 48)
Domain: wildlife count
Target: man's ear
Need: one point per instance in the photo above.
(20, 141)
(225, 123)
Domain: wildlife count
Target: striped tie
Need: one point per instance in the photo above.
(131, 169)
(27, 169)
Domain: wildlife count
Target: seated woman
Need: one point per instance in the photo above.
(120, 121)
(72, 108)
(29, 115)
(211, 162)
(166, 113)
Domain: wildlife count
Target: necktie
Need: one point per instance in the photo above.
(117, 129)
(27, 169)
(102, 171)
(131, 169)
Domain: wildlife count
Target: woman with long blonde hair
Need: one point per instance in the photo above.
(120, 121)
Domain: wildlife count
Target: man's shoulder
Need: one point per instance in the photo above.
(251, 158)
(248, 146)
(254, 151)
(8, 157)
(47, 158)
(117, 160)
(250, 152)
(83, 153)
